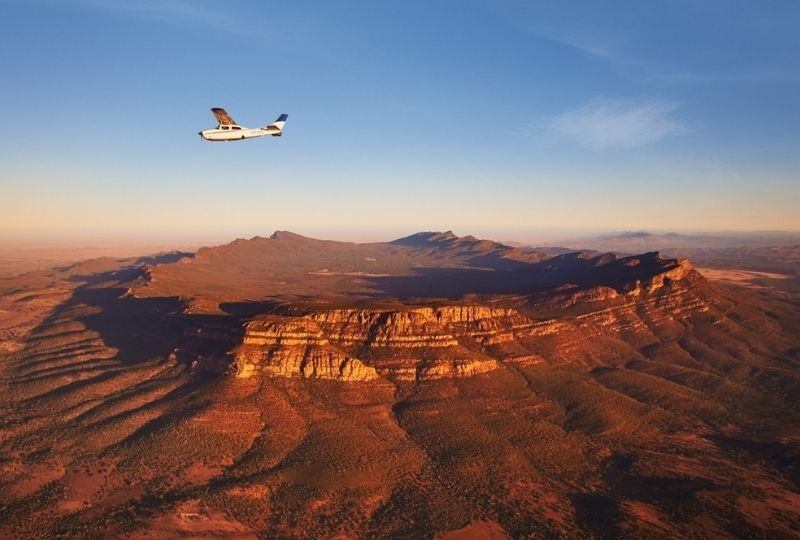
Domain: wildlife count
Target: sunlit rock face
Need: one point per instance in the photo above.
(428, 306)
(431, 342)
(414, 344)
(295, 347)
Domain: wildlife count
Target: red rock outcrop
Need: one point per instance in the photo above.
(294, 347)
(417, 343)
(483, 303)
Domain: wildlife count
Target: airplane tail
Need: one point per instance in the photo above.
(276, 127)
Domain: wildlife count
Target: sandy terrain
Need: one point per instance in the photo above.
(741, 277)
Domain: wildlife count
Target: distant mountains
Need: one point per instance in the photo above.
(768, 252)
(636, 241)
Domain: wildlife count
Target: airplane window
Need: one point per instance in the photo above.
(224, 127)
(236, 127)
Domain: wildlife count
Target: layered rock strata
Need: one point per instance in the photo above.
(359, 344)
(417, 343)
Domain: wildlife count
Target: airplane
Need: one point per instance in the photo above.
(229, 130)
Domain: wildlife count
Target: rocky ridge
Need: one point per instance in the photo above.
(461, 340)
(430, 305)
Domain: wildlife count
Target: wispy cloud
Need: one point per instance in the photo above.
(613, 124)
(625, 61)
(171, 11)
(765, 74)
(750, 44)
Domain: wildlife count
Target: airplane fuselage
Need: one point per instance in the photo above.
(236, 133)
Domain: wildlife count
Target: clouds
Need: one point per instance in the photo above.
(169, 11)
(616, 124)
(683, 42)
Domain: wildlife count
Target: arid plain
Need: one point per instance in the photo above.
(433, 386)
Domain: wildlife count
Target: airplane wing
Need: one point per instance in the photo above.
(222, 117)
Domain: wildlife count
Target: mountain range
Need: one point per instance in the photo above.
(433, 385)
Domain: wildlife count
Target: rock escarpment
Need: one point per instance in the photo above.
(430, 305)
(361, 344)
(295, 346)
(595, 325)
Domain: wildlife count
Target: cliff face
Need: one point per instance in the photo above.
(484, 304)
(597, 325)
(295, 347)
(335, 344)
(606, 326)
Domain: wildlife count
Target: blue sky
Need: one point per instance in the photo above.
(483, 116)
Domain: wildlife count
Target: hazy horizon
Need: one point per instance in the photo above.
(612, 117)
(183, 239)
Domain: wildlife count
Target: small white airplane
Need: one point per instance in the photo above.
(229, 130)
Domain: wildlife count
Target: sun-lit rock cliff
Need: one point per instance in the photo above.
(406, 344)
(459, 306)
(294, 347)
(428, 342)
